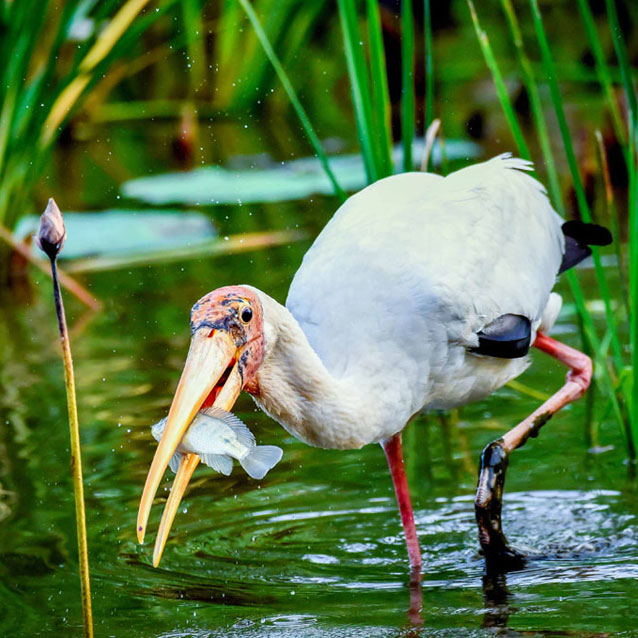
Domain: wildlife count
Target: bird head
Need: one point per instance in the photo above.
(226, 349)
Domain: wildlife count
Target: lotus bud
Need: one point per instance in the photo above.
(52, 233)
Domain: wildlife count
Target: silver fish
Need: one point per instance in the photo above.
(218, 437)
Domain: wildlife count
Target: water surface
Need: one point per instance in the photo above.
(314, 549)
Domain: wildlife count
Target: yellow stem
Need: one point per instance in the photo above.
(76, 457)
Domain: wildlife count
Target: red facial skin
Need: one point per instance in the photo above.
(222, 309)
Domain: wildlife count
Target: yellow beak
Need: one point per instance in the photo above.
(211, 354)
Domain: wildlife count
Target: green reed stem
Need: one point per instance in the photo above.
(583, 206)
(501, 89)
(408, 110)
(193, 27)
(612, 216)
(625, 69)
(292, 96)
(76, 456)
(429, 66)
(633, 283)
(359, 85)
(602, 69)
(632, 168)
(529, 80)
(588, 328)
(380, 92)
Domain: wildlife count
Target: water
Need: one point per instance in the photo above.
(315, 549)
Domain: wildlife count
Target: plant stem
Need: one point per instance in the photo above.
(380, 93)
(407, 93)
(501, 89)
(292, 95)
(76, 458)
(529, 81)
(583, 206)
(602, 69)
(429, 66)
(359, 84)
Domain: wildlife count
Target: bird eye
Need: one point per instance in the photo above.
(246, 315)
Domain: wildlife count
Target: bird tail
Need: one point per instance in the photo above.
(579, 236)
(260, 460)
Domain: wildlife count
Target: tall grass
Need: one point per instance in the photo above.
(292, 95)
(429, 69)
(407, 75)
(241, 80)
(607, 350)
(367, 73)
(46, 74)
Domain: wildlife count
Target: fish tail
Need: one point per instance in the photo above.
(260, 460)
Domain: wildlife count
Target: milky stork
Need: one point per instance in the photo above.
(422, 292)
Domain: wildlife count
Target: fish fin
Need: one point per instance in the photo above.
(175, 461)
(158, 429)
(260, 460)
(219, 462)
(244, 436)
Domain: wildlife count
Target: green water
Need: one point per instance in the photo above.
(314, 549)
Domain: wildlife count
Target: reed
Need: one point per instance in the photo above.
(292, 95)
(611, 371)
(408, 109)
(501, 89)
(365, 61)
(46, 77)
(429, 70)
(360, 86)
(380, 92)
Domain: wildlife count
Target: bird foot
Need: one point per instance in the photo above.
(503, 558)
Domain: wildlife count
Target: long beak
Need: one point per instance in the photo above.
(225, 400)
(209, 356)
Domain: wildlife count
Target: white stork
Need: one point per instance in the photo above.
(422, 292)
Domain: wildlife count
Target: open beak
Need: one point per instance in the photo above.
(211, 377)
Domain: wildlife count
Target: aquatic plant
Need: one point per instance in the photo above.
(370, 97)
(53, 55)
(613, 373)
(50, 239)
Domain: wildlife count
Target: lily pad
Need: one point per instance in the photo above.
(297, 179)
(126, 232)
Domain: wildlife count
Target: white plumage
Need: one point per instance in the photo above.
(392, 294)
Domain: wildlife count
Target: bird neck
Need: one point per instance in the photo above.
(295, 388)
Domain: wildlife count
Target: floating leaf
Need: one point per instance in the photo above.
(126, 232)
(297, 179)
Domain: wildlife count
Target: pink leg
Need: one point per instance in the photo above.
(495, 457)
(394, 454)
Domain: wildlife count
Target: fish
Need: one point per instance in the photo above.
(218, 437)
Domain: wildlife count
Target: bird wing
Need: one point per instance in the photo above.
(416, 261)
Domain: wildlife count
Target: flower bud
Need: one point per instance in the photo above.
(52, 233)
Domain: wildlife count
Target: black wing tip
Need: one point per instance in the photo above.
(587, 234)
(507, 337)
(579, 236)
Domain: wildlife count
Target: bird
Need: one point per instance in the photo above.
(422, 292)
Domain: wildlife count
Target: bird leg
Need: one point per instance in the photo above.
(394, 453)
(499, 556)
